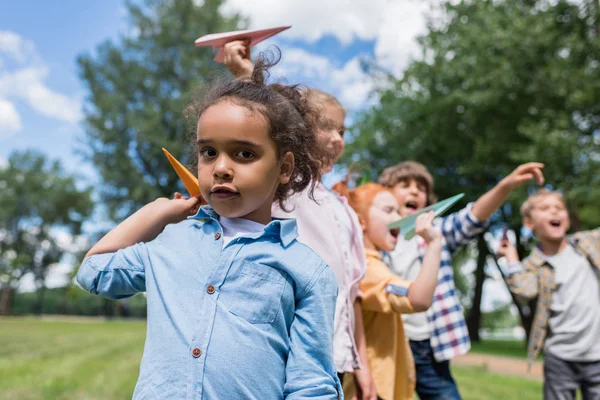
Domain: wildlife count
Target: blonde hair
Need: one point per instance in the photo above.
(529, 204)
(406, 171)
(319, 99)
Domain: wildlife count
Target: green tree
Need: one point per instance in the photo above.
(499, 83)
(36, 198)
(138, 90)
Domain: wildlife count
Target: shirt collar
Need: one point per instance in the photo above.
(371, 253)
(538, 258)
(285, 229)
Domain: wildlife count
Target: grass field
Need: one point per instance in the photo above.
(94, 359)
(505, 348)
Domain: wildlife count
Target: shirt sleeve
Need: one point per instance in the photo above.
(521, 281)
(460, 228)
(310, 370)
(115, 275)
(383, 291)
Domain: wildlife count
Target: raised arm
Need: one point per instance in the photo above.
(492, 200)
(421, 291)
(116, 266)
(145, 224)
(462, 227)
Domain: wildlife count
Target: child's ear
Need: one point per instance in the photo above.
(286, 167)
(363, 223)
(528, 223)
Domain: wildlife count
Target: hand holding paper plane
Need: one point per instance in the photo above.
(218, 40)
(407, 224)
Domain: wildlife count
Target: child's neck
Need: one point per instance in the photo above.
(551, 247)
(368, 244)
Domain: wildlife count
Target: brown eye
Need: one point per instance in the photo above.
(208, 152)
(245, 155)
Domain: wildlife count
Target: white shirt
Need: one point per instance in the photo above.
(574, 323)
(238, 227)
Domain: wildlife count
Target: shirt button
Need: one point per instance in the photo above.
(217, 235)
(196, 352)
(210, 289)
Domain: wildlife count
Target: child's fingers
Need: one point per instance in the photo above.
(525, 177)
(539, 176)
(177, 196)
(192, 201)
(234, 43)
(529, 166)
(236, 48)
(193, 204)
(427, 218)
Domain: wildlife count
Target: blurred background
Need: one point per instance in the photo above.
(91, 91)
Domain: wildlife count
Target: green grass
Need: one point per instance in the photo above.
(476, 383)
(69, 359)
(98, 360)
(506, 348)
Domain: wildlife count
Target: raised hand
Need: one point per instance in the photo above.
(236, 57)
(177, 209)
(424, 227)
(506, 249)
(522, 174)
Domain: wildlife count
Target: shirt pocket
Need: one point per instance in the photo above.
(257, 293)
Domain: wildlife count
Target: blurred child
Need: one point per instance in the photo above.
(441, 333)
(385, 295)
(329, 226)
(563, 272)
(237, 307)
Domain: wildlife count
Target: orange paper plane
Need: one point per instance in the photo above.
(219, 40)
(189, 180)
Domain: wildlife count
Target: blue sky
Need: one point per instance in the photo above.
(40, 41)
(50, 39)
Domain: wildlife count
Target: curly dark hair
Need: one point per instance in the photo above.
(288, 115)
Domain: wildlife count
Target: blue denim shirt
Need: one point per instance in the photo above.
(252, 320)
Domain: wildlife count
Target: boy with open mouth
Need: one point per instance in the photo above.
(562, 272)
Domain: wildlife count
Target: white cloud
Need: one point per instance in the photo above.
(402, 23)
(27, 82)
(17, 48)
(392, 24)
(347, 82)
(311, 19)
(10, 121)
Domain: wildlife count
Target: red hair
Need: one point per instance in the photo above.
(361, 198)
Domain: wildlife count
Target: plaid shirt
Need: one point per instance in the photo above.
(449, 334)
(535, 277)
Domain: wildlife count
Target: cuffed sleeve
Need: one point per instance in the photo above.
(523, 282)
(460, 228)
(115, 275)
(383, 291)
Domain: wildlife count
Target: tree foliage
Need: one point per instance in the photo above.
(138, 90)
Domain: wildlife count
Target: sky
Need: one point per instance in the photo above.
(42, 96)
